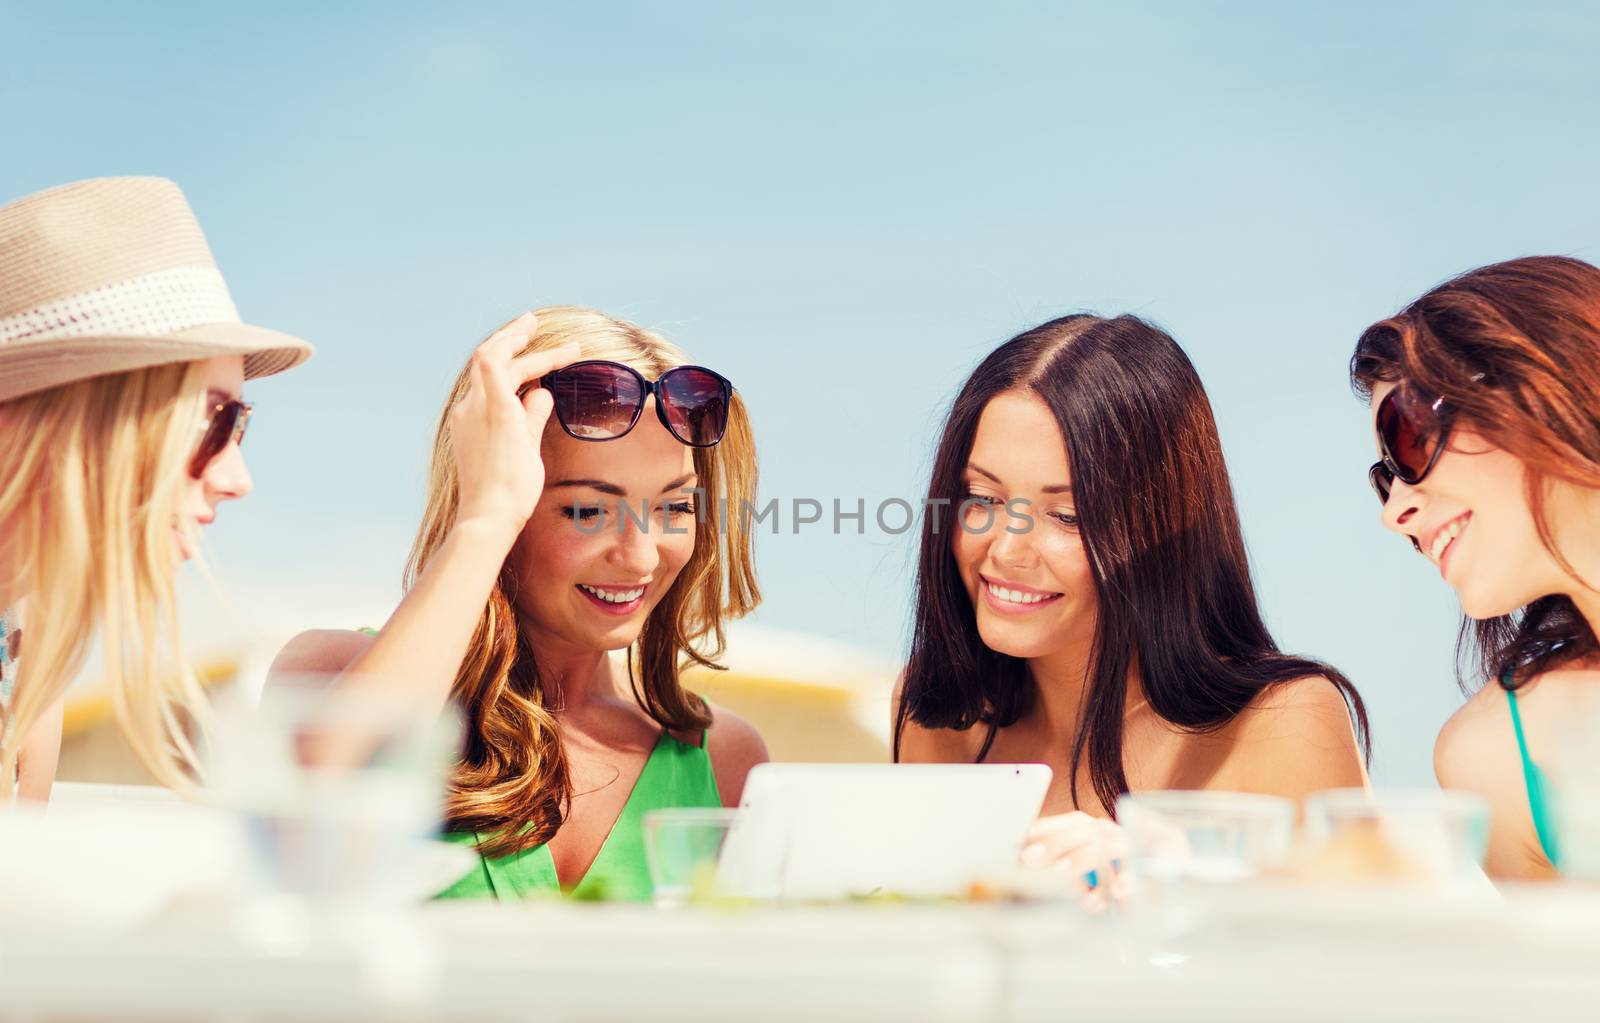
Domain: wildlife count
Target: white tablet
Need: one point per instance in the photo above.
(828, 831)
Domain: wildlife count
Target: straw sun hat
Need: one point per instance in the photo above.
(112, 275)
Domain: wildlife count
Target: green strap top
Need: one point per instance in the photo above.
(676, 774)
(1540, 794)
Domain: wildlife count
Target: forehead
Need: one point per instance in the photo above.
(642, 463)
(1020, 441)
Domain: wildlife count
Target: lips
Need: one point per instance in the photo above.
(616, 600)
(1439, 542)
(1013, 598)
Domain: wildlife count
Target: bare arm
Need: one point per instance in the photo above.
(41, 751)
(413, 660)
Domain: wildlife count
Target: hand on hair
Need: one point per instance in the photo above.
(499, 472)
(1092, 850)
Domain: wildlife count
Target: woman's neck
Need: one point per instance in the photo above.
(569, 676)
(1061, 683)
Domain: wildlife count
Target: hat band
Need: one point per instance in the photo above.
(150, 305)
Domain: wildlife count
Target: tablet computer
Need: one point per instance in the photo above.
(829, 831)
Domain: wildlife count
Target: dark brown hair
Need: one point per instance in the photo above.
(1514, 348)
(1158, 523)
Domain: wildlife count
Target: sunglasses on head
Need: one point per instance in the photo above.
(225, 424)
(598, 400)
(1411, 436)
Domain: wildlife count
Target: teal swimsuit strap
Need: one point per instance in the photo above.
(1532, 778)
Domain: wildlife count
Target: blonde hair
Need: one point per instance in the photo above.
(91, 484)
(512, 779)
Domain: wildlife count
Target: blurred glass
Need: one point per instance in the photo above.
(339, 796)
(682, 847)
(1399, 834)
(1205, 836)
(1184, 846)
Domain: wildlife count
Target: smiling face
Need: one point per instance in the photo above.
(594, 572)
(1470, 517)
(1032, 591)
(225, 477)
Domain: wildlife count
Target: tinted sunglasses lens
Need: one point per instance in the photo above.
(696, 405)
(219, 430)
(1408, 432)
(597, 401)
(1382, 481)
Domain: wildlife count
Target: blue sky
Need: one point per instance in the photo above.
(841, 207)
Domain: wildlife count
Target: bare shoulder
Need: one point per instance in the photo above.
(735, 747)
(1477, 752)
(1294, 738)
(316, 653)
(1476, 741)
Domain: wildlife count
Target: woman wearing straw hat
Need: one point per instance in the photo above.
(122, 361)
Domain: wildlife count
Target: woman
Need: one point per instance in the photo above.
(1090, 606)
(542, 553)
(1486, 404)
(122, 362)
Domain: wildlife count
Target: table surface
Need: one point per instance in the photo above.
(1264, 953)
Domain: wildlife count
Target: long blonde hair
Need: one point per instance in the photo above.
(91, 485)
(513, 779)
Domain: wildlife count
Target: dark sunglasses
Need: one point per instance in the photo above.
(599, 400)
(225, 425)
(1411, 436)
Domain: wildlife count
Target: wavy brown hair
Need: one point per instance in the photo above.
(512, 779)
(1514, 348)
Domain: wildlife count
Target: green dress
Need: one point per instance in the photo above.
(676, 774)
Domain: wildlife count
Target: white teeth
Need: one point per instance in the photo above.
(1445, 535)
(614, 596)
(1017, 596)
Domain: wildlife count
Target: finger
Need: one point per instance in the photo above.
(1053, 849)
(512, 337)
(528, 367)
(539, 404)
(1088, 865)
(1064, 823)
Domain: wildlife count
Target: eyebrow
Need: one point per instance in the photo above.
(219, 395)
(614, 490)
(1055, 488)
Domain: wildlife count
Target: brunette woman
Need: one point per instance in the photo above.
(1089, 604)
(1486, 408)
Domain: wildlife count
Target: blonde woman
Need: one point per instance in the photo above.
(541, 554)
(122, 363)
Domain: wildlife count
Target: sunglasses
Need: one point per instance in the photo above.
(1411, 436)
(225, 425)
(599, 400)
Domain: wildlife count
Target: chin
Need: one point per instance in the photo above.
(1014, 642)
(1484, 602)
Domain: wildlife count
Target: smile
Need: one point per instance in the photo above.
(1011, 598)
(613, 600)
(1445, 536)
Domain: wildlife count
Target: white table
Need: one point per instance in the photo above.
(1536, 957)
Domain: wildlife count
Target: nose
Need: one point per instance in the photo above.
(1404, 504)
(1014, 549)
(227, 478)
(635, 552)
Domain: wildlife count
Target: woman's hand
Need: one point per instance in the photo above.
(1091, 850)
(499, 471)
